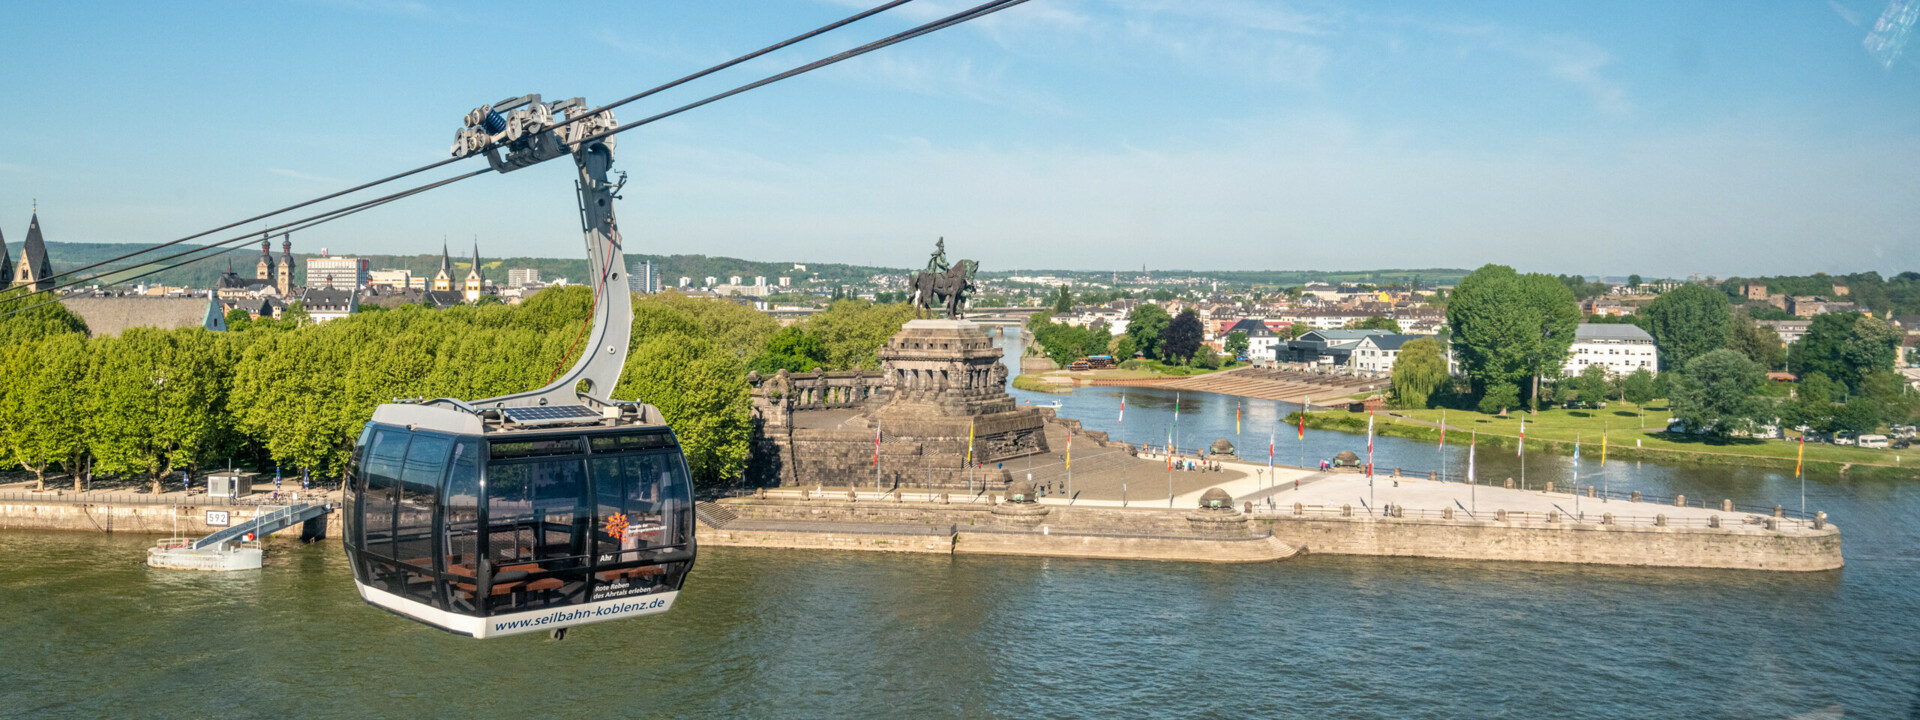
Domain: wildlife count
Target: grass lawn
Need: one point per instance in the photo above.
(1620, 422)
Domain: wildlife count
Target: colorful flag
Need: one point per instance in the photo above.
(1069, 451)
(1576, 461)
(876, 444)
(1169, 449)
(1123, 410)
(1603, 446)
(1470, 438)
(1236, 418)
(1270, 437)
(1521, 451)
(1303, 421)
(1801, 456)
(970, 442)
(1443, 428)
(1369, 446)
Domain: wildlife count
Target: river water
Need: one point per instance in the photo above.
(86, 630)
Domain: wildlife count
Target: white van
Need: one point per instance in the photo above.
(1873, 441)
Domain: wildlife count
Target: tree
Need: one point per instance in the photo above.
(1812, 405)
(1146, 322)
(1375, 323)
(1590, 385)
(1182, 338)
(738, 328)
(159, 401)
(1236, 344)
(696, 385)
(238, 319)
(42, 403)
(1633, 281)
(1063, 301)
(1418, 371)
(1498, 397)
(853, 331)
(1688, 322)
(1715, 393)
(1638, 387)
(1759, 343)
(1510, 329)
(792, 349)
(1846, 347)
(34, 318)
(1295, 330)
(1123, 347)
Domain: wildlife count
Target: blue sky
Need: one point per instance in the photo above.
(1614, 138)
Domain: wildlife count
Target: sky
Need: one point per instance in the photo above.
(1664, 139)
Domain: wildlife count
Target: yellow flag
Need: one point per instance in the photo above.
(970, 443)
(1802, 455)
(1603, 448)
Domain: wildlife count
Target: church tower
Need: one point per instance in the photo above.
(443, 280)
(264, 271)
(474, 279)
(34, 267)
(286, 266)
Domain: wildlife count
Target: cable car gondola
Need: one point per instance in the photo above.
(541, 510)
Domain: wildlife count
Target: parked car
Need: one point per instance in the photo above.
(1873, 441)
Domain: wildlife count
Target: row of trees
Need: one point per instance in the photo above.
(149, 402)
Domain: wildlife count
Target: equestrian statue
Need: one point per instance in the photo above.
(949, 284)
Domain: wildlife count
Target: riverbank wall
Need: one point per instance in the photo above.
(998, 529)
(188, 519)
(884, 523)
(1801, 550)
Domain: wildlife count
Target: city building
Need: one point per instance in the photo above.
(1260, 338)
(34, 269)
(523, 276)
(685, 281)
(1377, 353)
(786, 282)
(443, 280)
(1325, 347)
(476, 282)
(1621, 349)
(733, 280)
(1790, 331)
(396, 279)
(337, 272)
(760, 280)
(326, 304)
(711, 281)
(643, 277)
(275, 274)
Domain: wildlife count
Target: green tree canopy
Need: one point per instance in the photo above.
(1146, 323)
(1758, 342)
(1716, 393)
(1236, 344)
(1847, 347)
(1183, 337)
(1509, 329)
(853, 331)
(1418, 371)
(1687, 322)
(792, 349)
(1638, 387)
(34, 318)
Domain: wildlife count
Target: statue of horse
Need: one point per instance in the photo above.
(951, 287)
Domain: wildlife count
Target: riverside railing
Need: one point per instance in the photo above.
(1529, 517)
(130, 498)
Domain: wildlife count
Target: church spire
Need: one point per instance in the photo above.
(34, 266)
(6, 264)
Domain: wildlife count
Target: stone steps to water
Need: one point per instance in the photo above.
(713, 515)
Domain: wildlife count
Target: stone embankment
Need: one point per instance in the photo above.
(169, 514)
(1265, 524)
(877, 522)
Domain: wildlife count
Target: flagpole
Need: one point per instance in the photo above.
(1523, 450)
(1443, 445)
(1576, 474)
(1473, 484)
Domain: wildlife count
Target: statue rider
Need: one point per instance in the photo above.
(938, 263)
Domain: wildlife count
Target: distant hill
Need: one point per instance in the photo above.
(204, 273)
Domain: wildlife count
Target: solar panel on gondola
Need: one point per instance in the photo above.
(549, 413)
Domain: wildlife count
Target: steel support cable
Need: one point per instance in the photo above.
(390, 178)
(294, 226)
(975, 12)
(816, 32)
